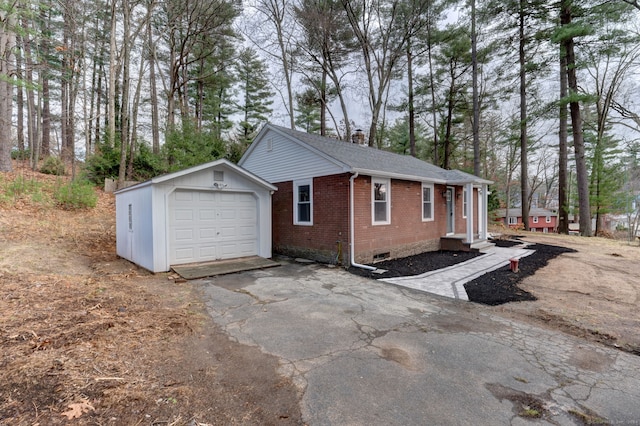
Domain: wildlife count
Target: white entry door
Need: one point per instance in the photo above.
(211, 225)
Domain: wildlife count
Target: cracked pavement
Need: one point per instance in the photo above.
(364, 352)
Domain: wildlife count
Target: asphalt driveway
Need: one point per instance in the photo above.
(363, 352)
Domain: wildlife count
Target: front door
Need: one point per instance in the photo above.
(450, 210)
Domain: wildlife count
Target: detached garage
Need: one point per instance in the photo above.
(209, 212)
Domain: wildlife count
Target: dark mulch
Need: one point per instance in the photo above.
(501, 285)
(416, 264)
(493, 288)
(506, 243)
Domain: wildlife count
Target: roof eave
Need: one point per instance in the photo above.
(400, 176)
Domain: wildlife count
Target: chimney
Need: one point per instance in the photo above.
(358, 137)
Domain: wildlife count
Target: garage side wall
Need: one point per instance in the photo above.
(134, 227)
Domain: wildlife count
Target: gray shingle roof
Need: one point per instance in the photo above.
(365, 159)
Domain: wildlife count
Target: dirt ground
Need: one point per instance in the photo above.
(87, 338)
(593, 292)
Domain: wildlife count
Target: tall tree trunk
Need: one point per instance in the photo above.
(113, 66)
(124, 107)
(7, 70)
(476, 103)
(432, 90)
(43, 76)
(576, 123)
(563, 202)
(155, 125)
(134, 119)
(524, 145)
(20, 70)
(412, 112)
(323, 103)
(28, 76)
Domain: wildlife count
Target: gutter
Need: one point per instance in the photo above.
(352, 228)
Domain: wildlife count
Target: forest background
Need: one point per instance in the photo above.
(542, 97)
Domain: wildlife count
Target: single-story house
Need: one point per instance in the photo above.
(540, 220)
(341, 202)
(209, 212)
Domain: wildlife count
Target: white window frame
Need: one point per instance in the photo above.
(464, 203)
(548, 219)
(535, 219)
(513, 220)
(296, 202)
(430, 187)
(387, 201)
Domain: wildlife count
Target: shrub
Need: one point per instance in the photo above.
(75, 195)
(52, 166)
(17, 154)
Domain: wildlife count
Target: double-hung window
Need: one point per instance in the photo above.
(381, 201)
(303, 202)
(535, 219)
(548, 219)
(427, 202)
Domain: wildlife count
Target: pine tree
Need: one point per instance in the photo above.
(255, 94)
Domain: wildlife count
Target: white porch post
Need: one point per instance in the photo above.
(469, 212)
(483, 220)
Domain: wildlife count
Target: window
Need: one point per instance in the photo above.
(464, 202)
(535, 219)
(427, 202)
(218, 176)
(548, 220)
(380, 207)
(303, 202)
(513, 220)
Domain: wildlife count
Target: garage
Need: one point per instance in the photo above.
(207, 225)
(210, 212)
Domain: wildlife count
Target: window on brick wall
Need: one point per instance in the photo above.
(381, 201)
(427, 202)
(548, 219)
(464, 202)
(535, 219)
(303, 202)
(513, 220)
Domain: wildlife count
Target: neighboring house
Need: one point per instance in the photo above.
(341, 202)
(212, 211)
(540, 220)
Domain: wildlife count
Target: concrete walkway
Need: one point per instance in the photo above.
(450, 281)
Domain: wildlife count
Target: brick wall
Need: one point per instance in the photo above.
(330, 231)
(407, 234)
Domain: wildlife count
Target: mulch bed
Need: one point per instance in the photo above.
(416, 264)
(493, 288)
(501, 285)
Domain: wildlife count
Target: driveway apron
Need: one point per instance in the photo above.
(363, 352)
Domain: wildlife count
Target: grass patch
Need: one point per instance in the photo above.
(75, 195)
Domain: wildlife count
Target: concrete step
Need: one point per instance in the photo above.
(481, 246)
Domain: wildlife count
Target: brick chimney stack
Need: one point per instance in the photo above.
(358, 137)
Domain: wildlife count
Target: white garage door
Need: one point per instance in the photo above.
(207, 225)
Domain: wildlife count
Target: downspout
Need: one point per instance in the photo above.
(352, 231)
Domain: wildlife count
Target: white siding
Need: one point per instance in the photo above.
(276, 158)
(147, 243)
(135, 244)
